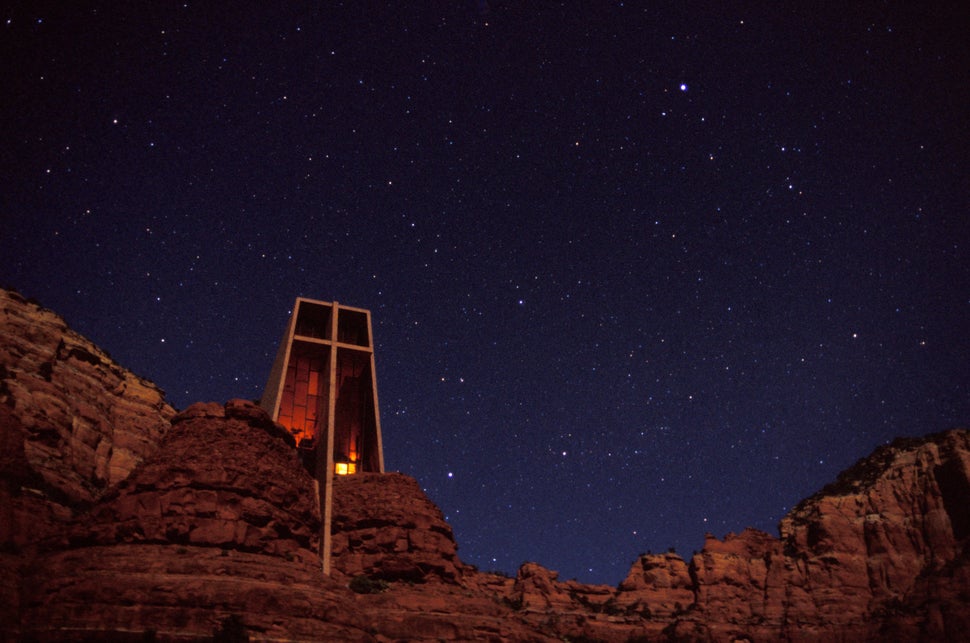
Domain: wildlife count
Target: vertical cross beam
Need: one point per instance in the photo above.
(326, 359)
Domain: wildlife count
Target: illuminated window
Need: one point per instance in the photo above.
(344, 468)
(323, 389)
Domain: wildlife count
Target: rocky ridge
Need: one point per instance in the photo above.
(206, 520)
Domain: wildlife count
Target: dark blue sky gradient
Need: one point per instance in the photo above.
(636, 274)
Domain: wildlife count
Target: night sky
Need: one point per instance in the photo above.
(636, 274)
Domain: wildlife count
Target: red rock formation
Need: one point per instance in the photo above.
(146, 530)
(658, 585)
(385, 527)
(865, 558)
(222, 521)
(571, 609)
(88, 422)
(72, 423)
(25, 514)
(896, 519)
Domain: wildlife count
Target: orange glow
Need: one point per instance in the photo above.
(303, 394)
(345, 468)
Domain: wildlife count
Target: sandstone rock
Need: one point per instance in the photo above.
(116, 524)
(731, 575)
(571, 609)
(25, 513)
(222, 520)
(658, 585)
(223, 482)
(385, 527)
(867, 558)
(539, 589)
(72, 423)
(128, 591)
(88, 421)
(858, 547)
(443, 611)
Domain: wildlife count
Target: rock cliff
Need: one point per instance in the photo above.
(72, 424)
(384, 527)
(122, 520)
(87, 421)
(866, 558)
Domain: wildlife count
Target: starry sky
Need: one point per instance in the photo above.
(637, 271)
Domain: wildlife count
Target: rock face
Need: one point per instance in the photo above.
(866, 558)
(86, 421)
(223, 522)
(207, 522)
(386, 528)
(72, 423)
(658, 586)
